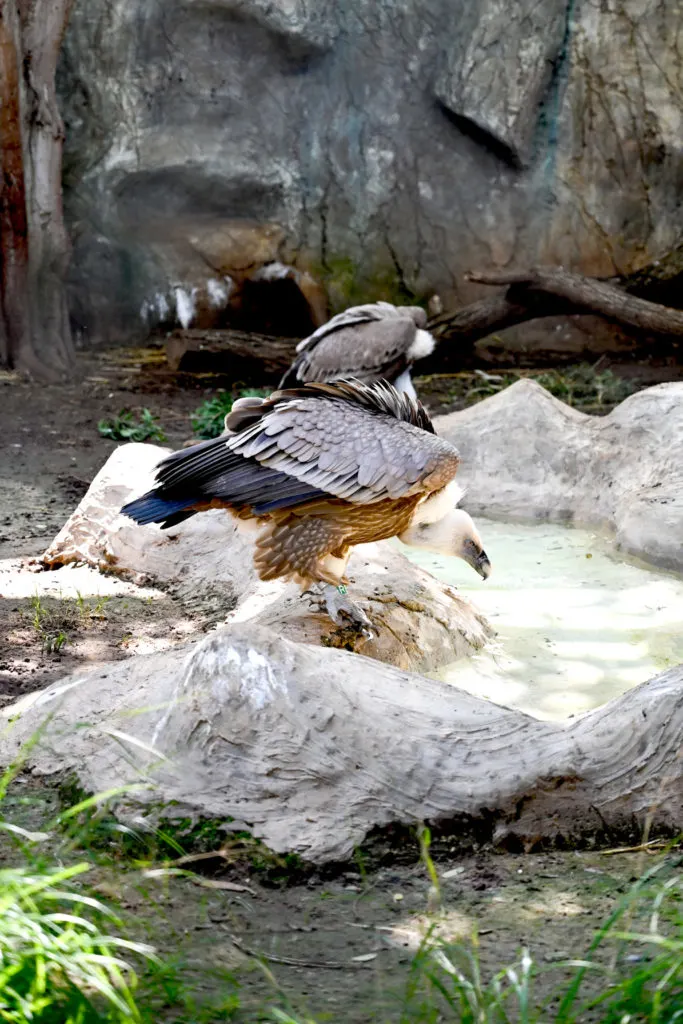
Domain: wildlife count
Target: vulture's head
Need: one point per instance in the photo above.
(454, 534)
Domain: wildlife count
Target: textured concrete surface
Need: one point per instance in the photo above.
(386, 149)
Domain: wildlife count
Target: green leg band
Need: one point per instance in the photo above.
(342, 589)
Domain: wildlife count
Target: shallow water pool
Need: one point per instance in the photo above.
(577, 625)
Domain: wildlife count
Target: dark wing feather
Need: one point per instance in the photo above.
(360, 443)
(369, 350)
(208, 471)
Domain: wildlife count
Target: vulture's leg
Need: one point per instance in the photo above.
(340, 607)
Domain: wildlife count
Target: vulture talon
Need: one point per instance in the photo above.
(340, 607)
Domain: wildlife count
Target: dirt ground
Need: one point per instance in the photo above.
(340, 948)
(51, 450)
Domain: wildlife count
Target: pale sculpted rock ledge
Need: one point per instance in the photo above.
(311, 751)
(526, 455)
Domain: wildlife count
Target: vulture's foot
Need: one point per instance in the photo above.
(340, 607)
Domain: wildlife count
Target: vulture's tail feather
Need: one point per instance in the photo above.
(290, 378)
(152, 508)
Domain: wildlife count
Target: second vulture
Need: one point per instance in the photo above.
(377, 341)
(319, 469)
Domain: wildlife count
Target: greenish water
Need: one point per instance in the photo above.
(577, 625)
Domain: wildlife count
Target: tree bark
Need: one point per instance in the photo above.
(593, 295)
(33, 242)
(14, 319)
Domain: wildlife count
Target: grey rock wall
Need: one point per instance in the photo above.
(383, 147)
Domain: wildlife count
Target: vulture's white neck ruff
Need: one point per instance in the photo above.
(422, 346)
(438, 505)
(445, 536)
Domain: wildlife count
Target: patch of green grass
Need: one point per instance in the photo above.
(62, 960)
(209, 419)
(581, 386)
(59, 964)
(128, 426)
(53, 624)
(628, 975)
(584, 387)
(54, 620)
(175, 986)
(59, 961)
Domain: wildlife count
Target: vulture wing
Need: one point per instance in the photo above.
(356, 442)
(370, 349)
(355, 315)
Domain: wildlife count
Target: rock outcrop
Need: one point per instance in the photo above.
(310, 750)
(382, 151)
(526, 455)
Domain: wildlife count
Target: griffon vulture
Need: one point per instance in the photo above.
(320, 469)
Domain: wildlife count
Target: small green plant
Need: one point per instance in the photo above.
(126, 427)
(53, 625)
(208, 420)
(55, 621)
(52, 644)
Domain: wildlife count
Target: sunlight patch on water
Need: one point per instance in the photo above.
(576, 624)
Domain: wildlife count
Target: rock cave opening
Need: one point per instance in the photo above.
(274, 306)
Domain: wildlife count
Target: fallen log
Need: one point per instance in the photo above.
(592, 295)
(634, 302)
(243, 356)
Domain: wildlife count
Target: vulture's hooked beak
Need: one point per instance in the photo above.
(481, 564)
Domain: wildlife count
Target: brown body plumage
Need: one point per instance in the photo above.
(319, 469)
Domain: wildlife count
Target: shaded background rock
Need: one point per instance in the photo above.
(383, 151)
(526, 455)
(420, 622)
(311, 750)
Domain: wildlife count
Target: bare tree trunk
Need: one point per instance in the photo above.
(33, 244)
(14, 316)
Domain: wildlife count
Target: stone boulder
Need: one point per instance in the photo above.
(420, 622)
(526, 455)
(310, 750)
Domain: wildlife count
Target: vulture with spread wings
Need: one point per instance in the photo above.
(320, 469)
(377, 341)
